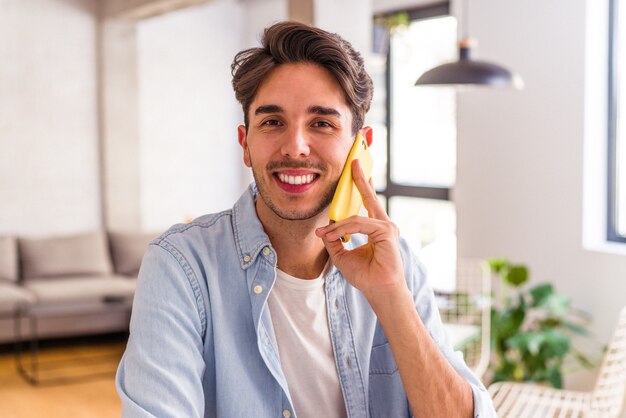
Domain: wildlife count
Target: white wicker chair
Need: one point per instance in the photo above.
(605, 401)
(469, 306)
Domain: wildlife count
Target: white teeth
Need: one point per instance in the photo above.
(296, 179)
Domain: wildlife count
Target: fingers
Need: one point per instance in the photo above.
(368, 192)
(377, 230)
(334, 247)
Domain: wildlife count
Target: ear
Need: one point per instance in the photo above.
(243, 141)
(368, 133)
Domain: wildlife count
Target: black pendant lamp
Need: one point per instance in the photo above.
(469, 72)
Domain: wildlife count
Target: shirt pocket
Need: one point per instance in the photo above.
(387, 397)
(382, 361)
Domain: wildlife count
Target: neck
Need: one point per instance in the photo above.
(299, 251)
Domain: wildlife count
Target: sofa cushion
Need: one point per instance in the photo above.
(13, 295)
(81, 288)
(8, 259)
(85, 254)
(127, 250)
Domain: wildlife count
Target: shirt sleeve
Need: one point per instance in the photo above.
(426, 305)
(160, 374)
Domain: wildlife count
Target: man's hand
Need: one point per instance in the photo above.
(375, 268)
(433, 387)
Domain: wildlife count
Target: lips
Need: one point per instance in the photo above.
(302, 179)
(294, 182)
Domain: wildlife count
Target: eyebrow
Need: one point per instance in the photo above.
(268, 109)
(325, 111)
(318, 110)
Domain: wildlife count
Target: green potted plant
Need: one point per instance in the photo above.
(532, 328)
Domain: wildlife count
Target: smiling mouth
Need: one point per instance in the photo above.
(297, 180)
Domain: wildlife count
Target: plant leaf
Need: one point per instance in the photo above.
(575, 328)
(557, 305)
(557, 344)
(540, 292)
(553, 375)
(516, 275)
(509, 322)
(583, 360)
(497, 265)
(527, 341)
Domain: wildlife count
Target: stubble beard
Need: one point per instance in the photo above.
(290, 214)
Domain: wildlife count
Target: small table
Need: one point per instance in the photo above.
(68, 309)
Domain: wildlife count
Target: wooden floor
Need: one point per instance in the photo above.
(93, 396)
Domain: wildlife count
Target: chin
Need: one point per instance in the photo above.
(297, 206)
(298, 215)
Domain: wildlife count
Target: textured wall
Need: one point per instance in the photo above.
(190, 161)
(49, 164)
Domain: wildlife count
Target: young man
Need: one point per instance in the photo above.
(261, 311)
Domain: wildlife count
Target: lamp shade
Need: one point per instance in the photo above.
(467, 72)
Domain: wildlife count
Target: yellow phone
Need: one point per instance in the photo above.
(347, 199)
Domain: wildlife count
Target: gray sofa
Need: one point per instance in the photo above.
(69, 270)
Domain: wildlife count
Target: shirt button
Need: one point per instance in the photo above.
(258, 289)
(287, 413)
(246, 258)
(266, 251)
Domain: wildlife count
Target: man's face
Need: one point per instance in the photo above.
(298, 138)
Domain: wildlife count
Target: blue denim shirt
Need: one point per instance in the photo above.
(202, 342)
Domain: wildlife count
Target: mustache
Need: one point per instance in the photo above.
(274, 165)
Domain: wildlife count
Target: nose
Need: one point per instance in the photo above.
(295, 144)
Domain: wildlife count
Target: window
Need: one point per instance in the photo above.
(616, 225)
(416, 167)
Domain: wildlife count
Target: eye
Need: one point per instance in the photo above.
(321, 124)
(271, 122)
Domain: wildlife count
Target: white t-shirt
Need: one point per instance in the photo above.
(298, 310)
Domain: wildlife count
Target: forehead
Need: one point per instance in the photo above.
(299, 86)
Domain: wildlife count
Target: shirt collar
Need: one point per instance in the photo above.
(249, 234)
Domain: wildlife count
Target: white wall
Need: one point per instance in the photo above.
(119, 124)
(260, 14)
(189, 155)
(519, 190)
(351, 19)
(49, 163)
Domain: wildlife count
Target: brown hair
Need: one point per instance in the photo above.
(293, 42)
